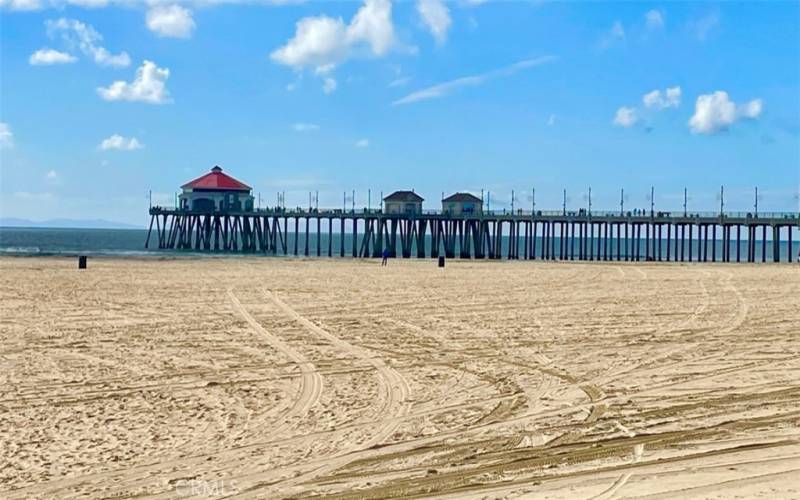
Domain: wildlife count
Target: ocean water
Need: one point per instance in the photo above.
(130, 242)
(46, 241)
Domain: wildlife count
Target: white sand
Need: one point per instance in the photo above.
(264, 378)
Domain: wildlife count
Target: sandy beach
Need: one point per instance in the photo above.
(271, 378)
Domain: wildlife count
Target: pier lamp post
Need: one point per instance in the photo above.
(590, 200)
(622, 202)
(512, 202)
(685, 201)
(721, 200)
(564, 203)
(488, 201)
(353, 200)
(533, 201)
(755, 206)
(652, 201)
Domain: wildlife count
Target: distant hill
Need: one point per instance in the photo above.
(67, 223)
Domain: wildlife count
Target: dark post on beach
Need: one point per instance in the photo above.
(441, 261)
(81, 262)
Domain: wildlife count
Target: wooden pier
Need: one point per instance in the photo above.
(597, 236)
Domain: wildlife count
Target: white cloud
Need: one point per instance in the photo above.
(613, 35)
(372, 25)
(362, 143)
(323, 42)
(552, 120)
(399, 82)
(89, 4)
(705, 26)
(751, 109)
(44, 57)
(329, 85)
(318, 41)
(149, 86)
(30, 5)
(305, 127)
(6, 137)
(670, 98)
(170, 21)
(436, 17)
(21, 4)
(51, 176)
(716, 112)
(654, 19)
(444, 89)
(87, 39)
(121, 143)
(626, 117)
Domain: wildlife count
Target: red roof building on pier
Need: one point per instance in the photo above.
(217, 180)
(216, 191)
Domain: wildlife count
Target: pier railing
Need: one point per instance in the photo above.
(640, 215)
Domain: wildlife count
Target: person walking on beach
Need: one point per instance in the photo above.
(385, 256)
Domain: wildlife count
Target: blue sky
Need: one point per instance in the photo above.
(430, 95)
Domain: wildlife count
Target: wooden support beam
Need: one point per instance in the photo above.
(355, 237)
(776, 241)
(341, 237)
(305, 246)
(147, 241)
(713, 243)
(738, 242)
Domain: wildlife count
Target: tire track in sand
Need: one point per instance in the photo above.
(393, 384)
(396, 392)
(311, 380)
(310, 392)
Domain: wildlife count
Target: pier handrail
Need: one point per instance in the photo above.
(579, 214)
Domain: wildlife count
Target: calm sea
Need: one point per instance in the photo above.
(130, 242)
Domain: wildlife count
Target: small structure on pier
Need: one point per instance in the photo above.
(403, 202)
(462, 204)
(216, 192)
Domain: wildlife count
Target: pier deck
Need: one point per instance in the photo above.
(547, 235)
